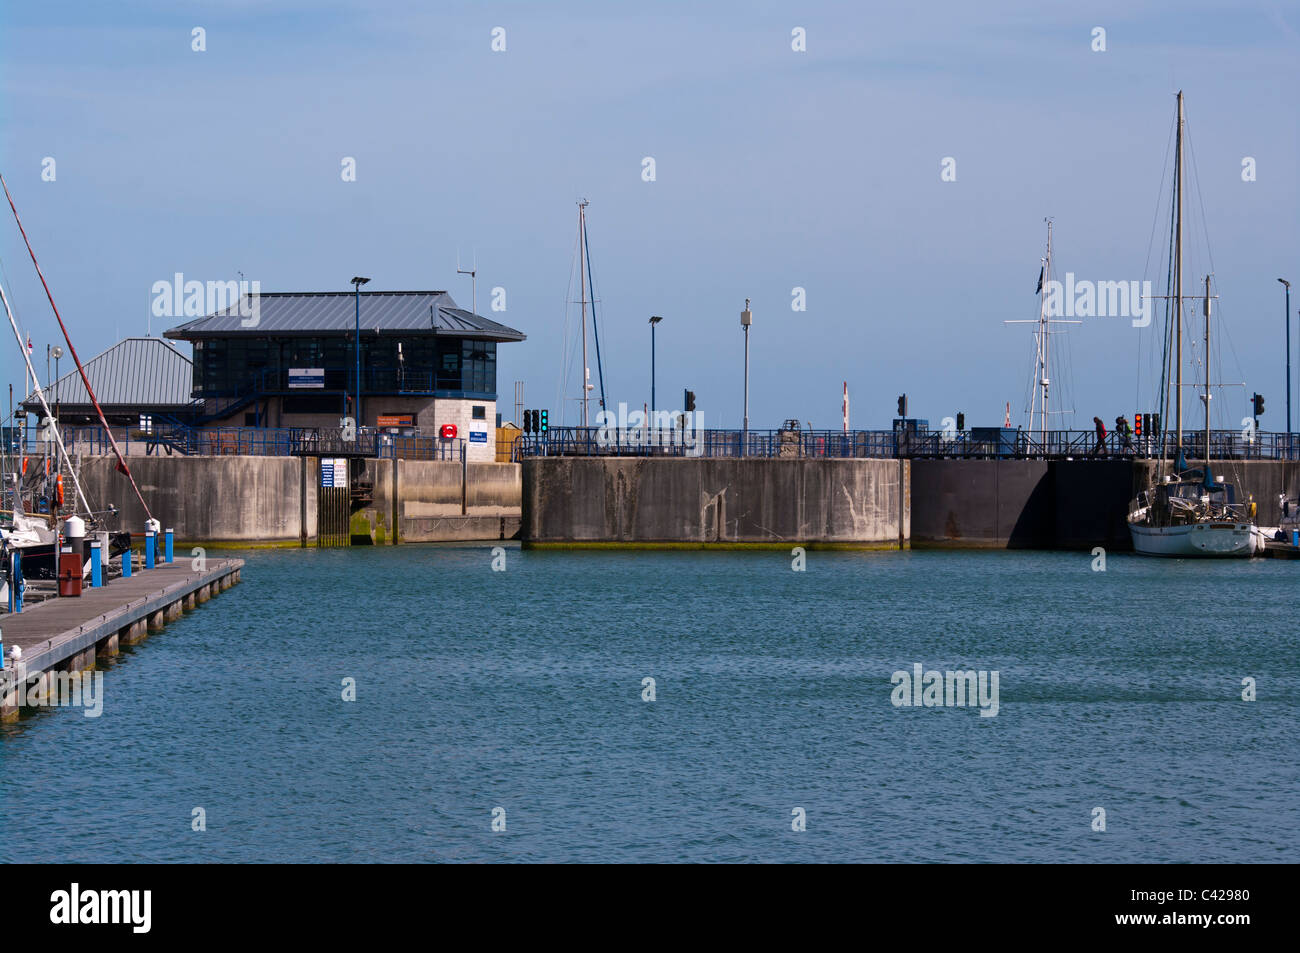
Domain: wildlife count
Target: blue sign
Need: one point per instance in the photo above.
(480, 437)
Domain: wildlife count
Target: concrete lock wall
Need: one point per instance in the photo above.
(245, 499)
(1061, 504)
(426, 505)
(960, 503)
(981, 503)
(208, 499)
(1021, 504)
(684, 501)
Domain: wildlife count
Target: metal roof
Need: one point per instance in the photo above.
(136, 372)
(334, 312)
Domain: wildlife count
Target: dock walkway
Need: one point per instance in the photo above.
(69, 633)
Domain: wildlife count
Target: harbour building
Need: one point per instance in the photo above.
(138, 382)
(427, 366)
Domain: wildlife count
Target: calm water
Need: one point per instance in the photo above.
(522, 690)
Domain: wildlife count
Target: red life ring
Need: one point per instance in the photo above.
(447, 432)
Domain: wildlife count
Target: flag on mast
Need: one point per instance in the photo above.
(846, 406)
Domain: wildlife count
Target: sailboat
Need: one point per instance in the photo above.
(1190, 512)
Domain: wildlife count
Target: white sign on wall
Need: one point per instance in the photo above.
(333, 471)
(306, 377)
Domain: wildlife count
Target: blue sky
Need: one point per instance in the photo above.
(775, 169)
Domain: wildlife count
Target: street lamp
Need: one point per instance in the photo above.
(357, 283)
(1286, 319)
(57, 352)
(746, 319)
(654, 319)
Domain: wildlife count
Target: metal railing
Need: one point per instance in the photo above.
(178, 439)
(991, 443)
(248, 441)
(392, 446)
(995, 443)
(666, 442)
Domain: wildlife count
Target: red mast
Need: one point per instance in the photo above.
(121, 461)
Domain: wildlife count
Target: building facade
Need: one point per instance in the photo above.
(290, 360)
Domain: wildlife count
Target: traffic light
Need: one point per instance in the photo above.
(1258, 401)
(1137, 424)
(690, 401)
(542, 423)
(528, 421)
(961, 421)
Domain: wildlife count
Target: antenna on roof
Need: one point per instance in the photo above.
(473, 276)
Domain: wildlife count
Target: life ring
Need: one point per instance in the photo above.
(58, 491)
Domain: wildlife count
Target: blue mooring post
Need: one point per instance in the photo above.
(168, 544)
(96, 579)
(148, 550)
(16, 582)
(126, 563)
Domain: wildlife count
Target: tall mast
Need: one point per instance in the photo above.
(1040, 388)
(1043, 378)
(582, 278)
(1178, 277)
(1207, 374)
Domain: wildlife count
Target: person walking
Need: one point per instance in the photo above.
(1125, 431)
(1100, 449)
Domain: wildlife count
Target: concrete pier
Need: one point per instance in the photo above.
(69, 634)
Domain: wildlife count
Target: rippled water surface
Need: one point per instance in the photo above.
(523, 690)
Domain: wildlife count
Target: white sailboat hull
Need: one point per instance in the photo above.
(1211, 539)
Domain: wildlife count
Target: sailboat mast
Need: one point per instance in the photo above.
(1207, 374)
(1178, 277)
(1043, 378)
(582, 278)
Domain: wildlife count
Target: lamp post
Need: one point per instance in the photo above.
(58, 353)
(1286, 319)
(746, 319)
(654, 319)
(356, 284)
